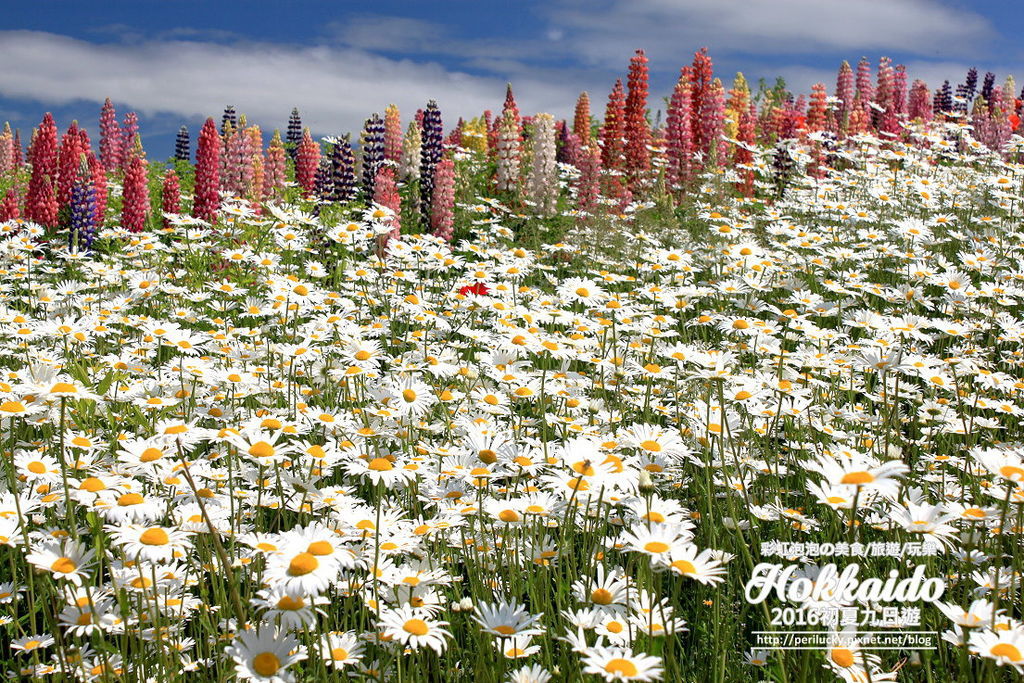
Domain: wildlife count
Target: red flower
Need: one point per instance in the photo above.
(479, 289)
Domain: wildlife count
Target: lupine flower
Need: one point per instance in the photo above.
(920, 104)
(228, 120)
(98, 175)
(206, 202)
(274, 168)
(306, 161)
(441, 210)
(371, 143)
(135, 206)
(844, 93)
(679, 135)
(430, 154)
(343, 172)
(411, 150)
(83, 219)
(10, 207)
(614, 128)
(817, 113)
(182, 145)
(542, 181)
(110, 136)
(637, 130)
(392, 134)
(129, 137)
(569, 148)
(581, 119)
(386, 194)
(507, 170)
(170, 195)
(69, 159)
(588, 185)
(294, 133)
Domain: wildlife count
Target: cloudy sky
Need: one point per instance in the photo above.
(177, 61)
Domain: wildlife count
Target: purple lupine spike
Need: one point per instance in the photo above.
(343, 172)
(182, 145)
(430, 154)
(83, 208)
(371, 142)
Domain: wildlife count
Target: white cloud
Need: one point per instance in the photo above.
(334, 88)
(673, 28)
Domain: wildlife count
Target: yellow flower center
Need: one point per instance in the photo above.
(266, 664)
(154, 536)
(63, 565)
(620, 666)
(416, 627)
(381, 465)
(857, 478)
(302, 564)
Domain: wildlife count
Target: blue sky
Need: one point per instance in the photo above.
(177, 61)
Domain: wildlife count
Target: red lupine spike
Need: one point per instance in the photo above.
(817, 113)
(69, 159)
(170, 196)
(206, 202)
(306, 162)
(135, 193)
(614, 129)
(98, 173)
(637, 130)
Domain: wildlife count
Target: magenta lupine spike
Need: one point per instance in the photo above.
(135, 195)
(588, 185)
(702, 78)
(274, 168)
(614, 129)
(98, 173)
(713, 124)
(306, 162)
(110, 137)
(227, 170)
(129, 137)
(206, 201)
(899, 95)
(638, 131)
(865, 93)
(919, 106)
(170, 196)
(385, 193)
(844, 93)
(18, 157)
(441, 209)
(69, 160)
(884, 116)
(393, 134)
(679, 135)
(41, 204)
